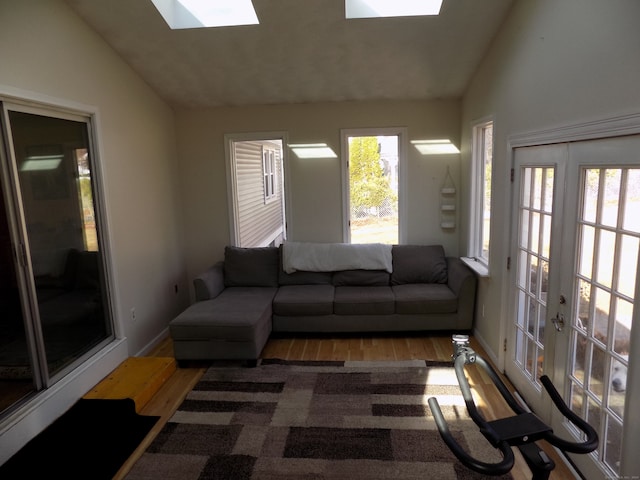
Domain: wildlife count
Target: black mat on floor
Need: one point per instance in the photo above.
(92, 440)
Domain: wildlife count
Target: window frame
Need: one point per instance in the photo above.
(403, 155)
(478, 227)
(269, 174)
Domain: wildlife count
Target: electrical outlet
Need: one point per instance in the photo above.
(133, 314)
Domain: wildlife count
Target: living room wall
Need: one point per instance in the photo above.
(48, 54)
(47, 51)
(315, 189)
(553, 64)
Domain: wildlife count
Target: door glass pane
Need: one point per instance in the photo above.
(548, 190)
(546, 236)
(533, 267)
(586, 250)
(605, 299)
(632, 191)
(56, 188)
(611, 197)
(606, 250)
(626, 277)
(590, 195)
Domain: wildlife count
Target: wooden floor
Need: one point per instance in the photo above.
(171, 394)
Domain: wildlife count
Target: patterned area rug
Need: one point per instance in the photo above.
(315, 420)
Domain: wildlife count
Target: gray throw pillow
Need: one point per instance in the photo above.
(418, 264)
(251, 267)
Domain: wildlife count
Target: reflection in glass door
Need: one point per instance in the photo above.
(16, 370)
(57, 283)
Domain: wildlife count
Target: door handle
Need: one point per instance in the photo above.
(558, 322)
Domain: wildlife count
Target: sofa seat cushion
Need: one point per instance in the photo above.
(234, 315)
(304, 300)
(363, 301)
(424, 298)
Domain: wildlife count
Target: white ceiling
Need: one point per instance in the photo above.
(302, 51)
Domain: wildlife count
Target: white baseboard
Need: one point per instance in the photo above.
(153, 343)
(485, 346)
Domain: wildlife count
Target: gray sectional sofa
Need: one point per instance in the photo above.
(240, 301)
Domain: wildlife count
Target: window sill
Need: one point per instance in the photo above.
(480, 269)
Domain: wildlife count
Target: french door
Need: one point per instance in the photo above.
(576, 238)
(538, 179)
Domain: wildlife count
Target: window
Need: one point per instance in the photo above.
(372, 185)
(269, 174)
(482, 159)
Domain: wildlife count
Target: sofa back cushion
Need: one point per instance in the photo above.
(418, 264)
(250, 267)
(365, 278)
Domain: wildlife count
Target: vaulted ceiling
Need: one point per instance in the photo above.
(302, 51)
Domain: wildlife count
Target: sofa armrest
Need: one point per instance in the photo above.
(210, 283)
(463, 283)
(458, 275)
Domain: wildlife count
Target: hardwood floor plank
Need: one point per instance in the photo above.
(164, 404)
(355, 349)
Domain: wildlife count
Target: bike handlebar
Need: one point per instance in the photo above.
(591, 442)
(499, 468)
(464, 355)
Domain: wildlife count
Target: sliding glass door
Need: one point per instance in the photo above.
(53, 285)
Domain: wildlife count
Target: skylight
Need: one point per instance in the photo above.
(180, 14)
(391, 8)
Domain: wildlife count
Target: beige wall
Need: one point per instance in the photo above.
(48, 52)
(313, 183)
(553, 63)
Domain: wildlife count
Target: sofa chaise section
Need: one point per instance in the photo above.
(231, 318)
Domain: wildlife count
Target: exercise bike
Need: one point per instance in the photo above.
(522, 430)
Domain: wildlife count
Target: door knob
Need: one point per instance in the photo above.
(558, 321)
